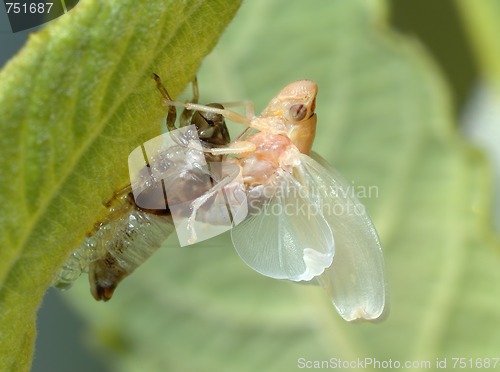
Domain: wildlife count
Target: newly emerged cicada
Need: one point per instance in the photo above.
(291, 215)
(301, 223)
(131, 234)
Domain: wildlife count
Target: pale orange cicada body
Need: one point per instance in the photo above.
(301, 222)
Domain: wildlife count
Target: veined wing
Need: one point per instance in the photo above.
(285, 235)
(355, 280)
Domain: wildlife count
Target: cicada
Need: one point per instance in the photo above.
(301, 221)
(131, 233)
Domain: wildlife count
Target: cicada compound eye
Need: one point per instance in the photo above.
(298, 112)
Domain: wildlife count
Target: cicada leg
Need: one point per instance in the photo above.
(187, 114)
(172, 111)
(228, 114)
(248, 105)
(237, 147)
(211, 127)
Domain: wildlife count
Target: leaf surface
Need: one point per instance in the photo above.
(384, 120)
(73, 103)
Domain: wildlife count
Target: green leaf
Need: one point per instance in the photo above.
(481, 116)
(74, 102)
(481, 19)
(385, 122)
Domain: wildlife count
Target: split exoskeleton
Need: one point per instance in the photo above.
(131, 234)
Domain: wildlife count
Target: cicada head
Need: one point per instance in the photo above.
(293, 108)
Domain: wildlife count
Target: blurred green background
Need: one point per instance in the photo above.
(405, 87)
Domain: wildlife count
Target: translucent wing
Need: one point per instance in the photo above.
(285, 235)
(355, 280)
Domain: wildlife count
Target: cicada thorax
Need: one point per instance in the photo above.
(131, 233)
(270, 154)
